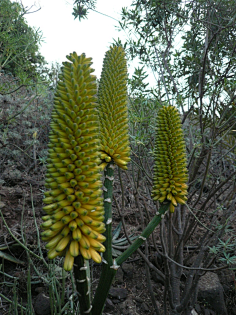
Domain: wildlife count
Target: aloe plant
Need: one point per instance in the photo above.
(86, 138)
(119, 244)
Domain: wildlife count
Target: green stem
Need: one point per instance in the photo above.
(108, 191)
(107, 256)
(82, 281)
(109, 270)
(145, 234)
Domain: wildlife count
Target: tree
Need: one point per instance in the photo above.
(189, 44)
(81, 8)
(19, 43)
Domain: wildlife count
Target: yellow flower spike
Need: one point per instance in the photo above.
(170, 172)
(113, 113)
(73, 171)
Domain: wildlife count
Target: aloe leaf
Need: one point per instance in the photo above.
(10, 258)
(123, 241)
(116, 252)
(116, 232)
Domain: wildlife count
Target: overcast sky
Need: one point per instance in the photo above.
(63, 35)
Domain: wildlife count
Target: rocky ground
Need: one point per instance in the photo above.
(129, 294)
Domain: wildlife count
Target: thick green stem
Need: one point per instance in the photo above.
(106, 274)
(147, 231)
(82, 281)
(109, 270)
(108, 191)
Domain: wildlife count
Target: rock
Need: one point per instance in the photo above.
(127, 307)
(138, 299)
(207, 311)
(2, 204)
(198, 308)
(123, 307)
(119, 276)
(128, 270)
(118, 293)
(109, 306)
(42, 305)
(144, 307)
(156, 277)
(18, 192)
(5, 98)
(226, 279)
(39, 289)
(12, 176)
(139, 286)
(134, 290)
(210, 291)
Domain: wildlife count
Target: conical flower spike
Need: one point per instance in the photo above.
(112, 98)
(74, 203)
(170, 172)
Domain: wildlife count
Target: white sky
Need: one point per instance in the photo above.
(63, 35)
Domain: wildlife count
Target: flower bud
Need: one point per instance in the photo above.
(170, 172)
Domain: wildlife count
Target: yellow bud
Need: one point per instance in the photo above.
(113, 109)
(170, 172)
(73, 171)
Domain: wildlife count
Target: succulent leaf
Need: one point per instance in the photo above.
(170, 172)
(73, 172)
(113, 114)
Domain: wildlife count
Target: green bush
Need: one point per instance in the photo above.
(19, 43)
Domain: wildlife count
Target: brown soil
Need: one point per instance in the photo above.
(17, 211)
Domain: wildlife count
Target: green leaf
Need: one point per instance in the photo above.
(10, 258)
(116, 232)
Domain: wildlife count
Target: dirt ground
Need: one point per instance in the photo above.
(130, 294)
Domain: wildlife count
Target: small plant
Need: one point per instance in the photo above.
(119, 244)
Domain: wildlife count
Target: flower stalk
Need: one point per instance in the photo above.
(170, 172)
(113, 111)
(82, 281)
(74, 224)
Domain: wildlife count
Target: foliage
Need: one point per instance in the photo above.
(189, 45)
(81, 8)
(19, 44)
(143, 106)
(24, 126)
(61, 286)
